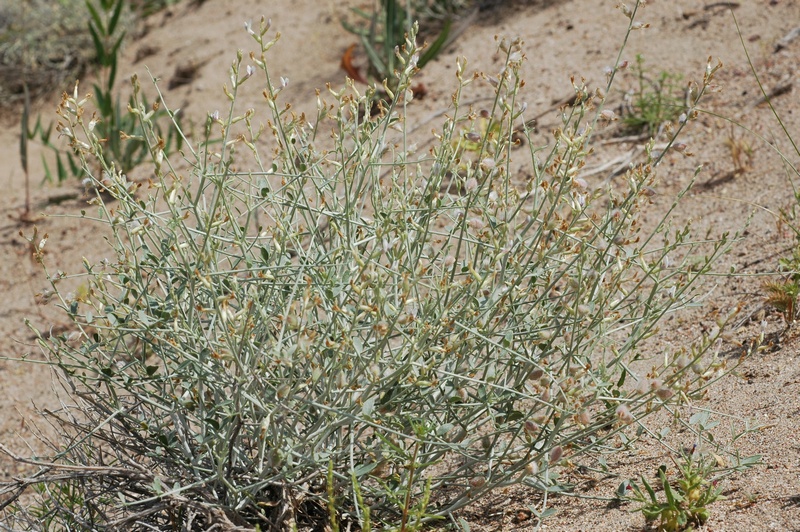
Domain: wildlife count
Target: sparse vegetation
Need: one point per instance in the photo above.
(384, 31)
(353, 333)
(782, 294)
(684, 505)
(697, 483)
(124, 142)
(741, 153)
(654, 101)
(109, 21)
(43, 44)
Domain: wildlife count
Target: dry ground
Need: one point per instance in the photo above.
(562, 39)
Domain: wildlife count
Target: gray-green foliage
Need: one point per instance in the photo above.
(426, 324)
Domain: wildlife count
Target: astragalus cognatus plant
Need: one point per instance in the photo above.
(315, 322)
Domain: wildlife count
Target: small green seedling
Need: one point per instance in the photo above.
(686, 501)
(654, 101)
(782, 294)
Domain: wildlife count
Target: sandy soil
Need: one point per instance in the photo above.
(562, 39)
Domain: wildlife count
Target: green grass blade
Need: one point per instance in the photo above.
(98, 46)
(112, 24)
(434, 49)
(374, 58)
(649, 489)
(61, 169)
(98, 22)
(48, 176)
(23, 137)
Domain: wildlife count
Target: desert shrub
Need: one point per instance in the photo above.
(315, 321)
(42, 44)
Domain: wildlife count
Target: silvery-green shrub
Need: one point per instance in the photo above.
(308, 311)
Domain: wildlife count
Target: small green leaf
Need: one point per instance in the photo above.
(433, 49)
(377, 64)
(700, 418)
(511, 416)
(444, 429)
(112, 24)
(48, 176)
(368, 407)
(73, 166)
(549, 512)
(364, 469)
(98, 22)
(23, 138)
(621, 380)
(623, 488)
(158, 489)
(98, 46)
(649, 489)
(62, 171)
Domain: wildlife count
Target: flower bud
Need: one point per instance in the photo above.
(624, 414)
(536, 374)
(607, 115)
(556, 454)
(477, 482)
(664, 393)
